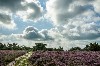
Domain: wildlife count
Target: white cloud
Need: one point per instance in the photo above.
(33, 11)
(96, 5)
(60, 11)
(6, 21)
(7, 38)
(25, 9)
(77, 16)
(82, 28)
(11, 5)
(32, 33)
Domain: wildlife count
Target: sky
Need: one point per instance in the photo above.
(65, 23)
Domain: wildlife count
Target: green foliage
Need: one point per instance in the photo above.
(13, 46)
(59, 49)
(92, 47)
(49, 49)
(75, 49)
(39, 46)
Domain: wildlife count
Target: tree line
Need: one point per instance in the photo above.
(38, 46)
(13, 46)
(41, 46)
(90, 47)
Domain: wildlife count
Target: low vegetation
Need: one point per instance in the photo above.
(40, 55)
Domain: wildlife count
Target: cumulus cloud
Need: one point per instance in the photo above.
(5, 18)
(62, 10)
(25, 9)
(96, 5)
(79, 18)
(11, 5)
(18, 5)
(86, 28)
(33, 11)
(7, 38)
(6, 21)
(32, 33)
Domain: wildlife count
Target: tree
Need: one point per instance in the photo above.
(39, 46)
(75, 49)
(59, 49)
(92, 47)
(9, 46)
(1, 46)
(86, 48)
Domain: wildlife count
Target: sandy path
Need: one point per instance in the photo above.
(21, 61)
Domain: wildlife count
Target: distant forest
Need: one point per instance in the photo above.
(40, 46)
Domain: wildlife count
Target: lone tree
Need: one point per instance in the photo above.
(39, 46)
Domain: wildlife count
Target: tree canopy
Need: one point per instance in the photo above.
(41, 46)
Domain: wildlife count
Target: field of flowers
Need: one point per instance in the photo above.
(7, 56)
(65, 58)
(50, 58)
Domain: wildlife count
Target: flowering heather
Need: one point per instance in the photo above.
(7, 56)
(65, 58)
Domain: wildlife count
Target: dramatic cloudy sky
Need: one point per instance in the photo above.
(66, 23)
